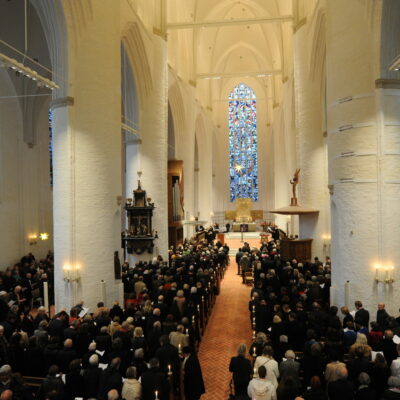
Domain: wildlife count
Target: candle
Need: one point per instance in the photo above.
(46, 295)
(180, 348)
(254, 351)
(156, 392)
(254, 308)
(347, 293)
(187, 332)
(377, 272)
(387, 273)
(169, 369)
(255, 371)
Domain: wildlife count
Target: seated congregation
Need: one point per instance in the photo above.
(143, 350)
(301, 348)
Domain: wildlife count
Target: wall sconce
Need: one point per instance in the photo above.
(32, 239)
(44, 236)
(387, 271)
(71, 273)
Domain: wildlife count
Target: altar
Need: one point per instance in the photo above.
(245, 227)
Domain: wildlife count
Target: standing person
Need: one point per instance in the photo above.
(270, 364)
(362, 315)
(245, 265)
(241, 370)
(260, 388)
(193, 378)
(238, 256)
(154, 380)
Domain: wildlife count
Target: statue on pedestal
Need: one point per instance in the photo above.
(294, 182)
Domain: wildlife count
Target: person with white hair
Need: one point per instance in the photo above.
(179, 337)
(91, 377)
(290, 367)
(393, 393)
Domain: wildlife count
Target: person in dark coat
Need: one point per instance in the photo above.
(358, 365)
(382, 317)
(52, 383)
(66, 355)
(34, 359)
(192, 379)
(154, 380)
(362, 315)
(341, 389)
(91, 377)
(58, 324)
(380, 373)
(168, 354)
(110, 379)
(74, 383)
(241, 370)
(365, 392)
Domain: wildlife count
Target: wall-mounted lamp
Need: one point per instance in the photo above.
(32, 239)
(71, 273)
(43, 236)
(384, 273)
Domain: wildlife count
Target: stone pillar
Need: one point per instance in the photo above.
(363, 129)
(87, 166)
(311, 149)
(154, 147)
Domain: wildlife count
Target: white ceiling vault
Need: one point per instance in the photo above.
(215, 44)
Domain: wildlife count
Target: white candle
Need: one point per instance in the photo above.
(156, 392)
(332, 295)
(169, 368)
(347, 294)
(387, 273)
(255, 371)
(187, 332)
(103, 292)
(46, 295)
(180, 348)
(377, 272)
(254, 351)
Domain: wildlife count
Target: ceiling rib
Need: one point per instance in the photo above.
(244, 74)
(229, 22)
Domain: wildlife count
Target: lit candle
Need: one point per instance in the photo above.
(180, 348)
(377, 271)
(156, 392)
(169, 369)
(254, 351)
(387, 273)
(187, 332)
(254, 308)
(255, 371)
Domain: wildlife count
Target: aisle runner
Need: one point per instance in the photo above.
(228, 326)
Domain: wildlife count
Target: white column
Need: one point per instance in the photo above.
(311, 149)
(154, 147)
(87, 165)
(363, 130)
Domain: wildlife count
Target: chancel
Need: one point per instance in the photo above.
(184, 183)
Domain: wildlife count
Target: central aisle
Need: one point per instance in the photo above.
(228, 326)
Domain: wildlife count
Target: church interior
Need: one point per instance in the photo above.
(193, 190)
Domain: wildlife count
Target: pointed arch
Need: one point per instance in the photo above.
(136, 50)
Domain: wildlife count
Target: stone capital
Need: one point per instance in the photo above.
(62, 102)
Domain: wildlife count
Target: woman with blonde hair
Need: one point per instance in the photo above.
(361, 341)
(241, 370)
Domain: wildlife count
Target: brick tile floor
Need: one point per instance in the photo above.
(228, 326)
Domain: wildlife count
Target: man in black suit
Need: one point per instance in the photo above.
(167, 354)
(110, 379)
(193, 379)
(341, 389)
(382, 317)
(362, 315)
(154, 380)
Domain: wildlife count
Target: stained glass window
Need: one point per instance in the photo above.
(243, 143)
(51, 145)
